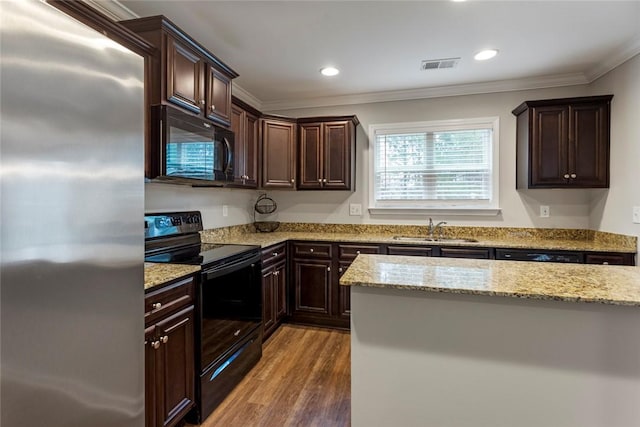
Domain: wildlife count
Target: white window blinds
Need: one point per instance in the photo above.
(433, 166)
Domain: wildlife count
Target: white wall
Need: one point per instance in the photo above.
(167, 197)
(569, 208)
(611, 210)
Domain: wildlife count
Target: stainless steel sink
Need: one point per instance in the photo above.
(429, 239)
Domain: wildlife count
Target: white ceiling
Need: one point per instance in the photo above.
(278, 47)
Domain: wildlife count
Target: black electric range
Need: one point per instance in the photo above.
(228, 309)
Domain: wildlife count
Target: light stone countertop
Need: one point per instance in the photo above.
(157, 274)
(615, 285)
(268, 239)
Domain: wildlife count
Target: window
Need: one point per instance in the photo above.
(445, 165)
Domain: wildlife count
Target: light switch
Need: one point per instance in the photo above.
(636, 214)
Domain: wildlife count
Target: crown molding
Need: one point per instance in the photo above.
(620, 56)
(245, 96)
(432, 92)
(112, 9)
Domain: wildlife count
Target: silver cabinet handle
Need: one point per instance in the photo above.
(324, 180)
(202, 102)
(155, 344)
(207, 125)
(566, 176)
(340, 270)
(573, 175)
(164, 339)
(213, 107)
(275, 273)
(605, 263)
(156, 305)
(311, 250)
(328, 268)
(293, 180)
(275, 254)
(357, 252)
(236, 333)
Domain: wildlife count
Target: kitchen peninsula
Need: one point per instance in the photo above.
(460, 342)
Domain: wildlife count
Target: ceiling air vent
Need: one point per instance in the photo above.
(436, 64)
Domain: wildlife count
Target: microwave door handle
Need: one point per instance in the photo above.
(228, 152)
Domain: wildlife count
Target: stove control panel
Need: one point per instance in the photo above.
(167, 224)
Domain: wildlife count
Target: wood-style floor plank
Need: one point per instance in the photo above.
(303, 379)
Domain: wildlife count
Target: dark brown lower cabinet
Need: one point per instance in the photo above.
(410, 250)
(475, 253)
(169, 356)
(609, 258)
(274, 297)
(312, 288)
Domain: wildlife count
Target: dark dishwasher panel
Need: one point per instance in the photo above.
(539, 255)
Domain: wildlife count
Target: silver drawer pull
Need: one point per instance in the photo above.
(573, 175)
(311, 250)
(164, 339)
(156, 305)
(155, 345)
(566, 176)
(605, 263)
(236, 333)
(358, 252)
(275, 254)
(328, 268)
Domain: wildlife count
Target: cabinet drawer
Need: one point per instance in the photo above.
(410, 250)
(312, 250)
(161, 302)
(350, 252)
(476, 253)
(609, 258)
(273, 254)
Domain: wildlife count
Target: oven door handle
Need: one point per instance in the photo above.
(230, 268)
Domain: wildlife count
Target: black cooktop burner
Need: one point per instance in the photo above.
(204, 254)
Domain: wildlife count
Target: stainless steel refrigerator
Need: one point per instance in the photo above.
(72, 237)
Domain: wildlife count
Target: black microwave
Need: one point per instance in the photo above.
(192, 150)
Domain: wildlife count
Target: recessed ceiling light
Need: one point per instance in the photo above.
(485, 54)
(329, 71)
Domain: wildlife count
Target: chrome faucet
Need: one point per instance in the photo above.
(433, 228)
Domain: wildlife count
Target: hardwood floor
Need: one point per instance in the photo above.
(303, 379)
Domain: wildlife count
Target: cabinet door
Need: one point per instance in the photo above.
(268, 300)
(312, 287)
(176, 368)
(548, 146)
(184, 70)
(238, 124)
(589, 145)
(410, 250)
(251, 151)
(337, 156)
(311, 156)
(280, 288)
(344, 293)
(475, 253)
(218, 105)
(151, 380)
(278, 154)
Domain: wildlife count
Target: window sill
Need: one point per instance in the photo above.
(436, 211)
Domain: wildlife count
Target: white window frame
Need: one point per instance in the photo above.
(412, 207)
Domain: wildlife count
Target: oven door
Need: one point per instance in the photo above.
(230, 307)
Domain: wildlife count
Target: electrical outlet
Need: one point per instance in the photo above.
(544, 211)
(225, 210)
(355, 209)
(636, 214)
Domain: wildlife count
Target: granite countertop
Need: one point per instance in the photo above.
(268, 239)
(616, 285)
(157, 274)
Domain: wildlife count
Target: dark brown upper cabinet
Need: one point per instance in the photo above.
(563, 143)
(244, 124)
(183, 72)
(278, 152)
(327, 153)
